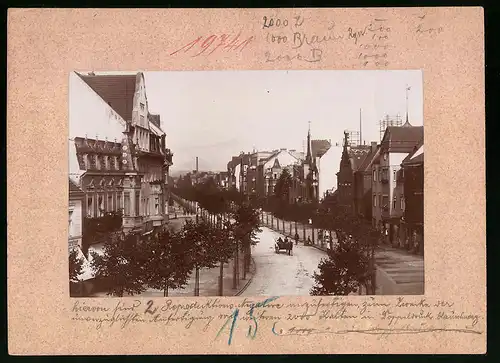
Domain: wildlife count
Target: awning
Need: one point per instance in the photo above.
(155, 129)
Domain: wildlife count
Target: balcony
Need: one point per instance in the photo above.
(168, 158)
(386, 213)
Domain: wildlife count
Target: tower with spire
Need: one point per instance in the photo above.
(345, 175)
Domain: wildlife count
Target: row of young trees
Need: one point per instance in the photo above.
(132, 263)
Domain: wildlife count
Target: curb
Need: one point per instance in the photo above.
(242, 290)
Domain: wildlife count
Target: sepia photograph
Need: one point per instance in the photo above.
(246, 183)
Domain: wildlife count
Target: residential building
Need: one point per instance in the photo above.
(222, 179)
(411, 176)
(363, 184)
(387, 193)
(351, 160)
(125, 167)
(272, 167)
(76, 201)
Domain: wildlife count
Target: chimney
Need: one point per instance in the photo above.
(196, 164)
(374, 146)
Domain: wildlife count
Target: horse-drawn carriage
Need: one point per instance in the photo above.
(286, 245)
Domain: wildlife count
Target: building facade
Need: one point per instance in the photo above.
(363, 184)
(412, 176)
(387, 189)
(76, 202)
(125, 167)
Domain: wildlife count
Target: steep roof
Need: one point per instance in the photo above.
(367, 160)
(116, 90)
(73, 188)
(319, 147)
(402, 138)
(416, 156)
(357, 155)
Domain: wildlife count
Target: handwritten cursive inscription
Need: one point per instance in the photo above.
(314, 56)
(208, 45)
(305, 331)
(276, 318)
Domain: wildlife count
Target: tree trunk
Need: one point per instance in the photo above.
(296, 227)
(245, 254)
(197, 282)
(235, 268)
(221, 279)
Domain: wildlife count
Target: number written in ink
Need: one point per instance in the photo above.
(278, 39)
(271, 22)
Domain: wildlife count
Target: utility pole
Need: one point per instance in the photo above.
(360, 129)
(407, 89)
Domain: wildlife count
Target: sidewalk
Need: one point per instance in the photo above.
(398, 271)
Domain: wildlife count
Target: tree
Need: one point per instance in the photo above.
(197, 237)
(121, 265)
(168, 265)
(344, 270)
(222, 244)
(75, 266)
(351, 262)
(247, 224)
(283, 186)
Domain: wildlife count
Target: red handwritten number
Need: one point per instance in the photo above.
(222, 42)
(233, 42)
(188, 46)
(206, 44)
(244, 44)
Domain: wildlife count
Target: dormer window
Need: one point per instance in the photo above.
(142, 106)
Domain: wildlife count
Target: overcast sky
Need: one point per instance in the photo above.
(217, 114)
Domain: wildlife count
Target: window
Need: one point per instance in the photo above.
(142, 120)
(402, 199)
(119, 201)
(157, 205)
(127, 203)
(69, 221)
(86, 161)
(110, 203)
(90, 206)
(137, 204)
(101, 205)
(374, 174)
(394, 176)
(394, 200)
(374, 200)
(142, 106)
(385, 201)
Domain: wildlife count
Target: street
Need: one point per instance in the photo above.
(280, 274)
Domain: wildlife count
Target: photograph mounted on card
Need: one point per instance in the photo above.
(246, 181)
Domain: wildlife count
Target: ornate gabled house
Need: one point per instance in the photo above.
(126, 168)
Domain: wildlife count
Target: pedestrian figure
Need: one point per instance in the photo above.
(290, 247)
(309, 240)
(296, 239)
(280, 240)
